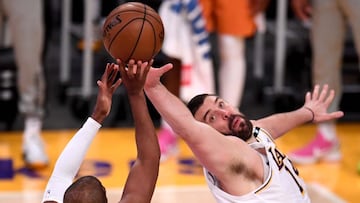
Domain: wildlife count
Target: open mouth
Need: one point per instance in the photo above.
(235, 123)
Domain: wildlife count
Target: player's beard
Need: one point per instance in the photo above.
(246, 127)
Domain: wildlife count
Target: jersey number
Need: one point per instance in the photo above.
(279, 159)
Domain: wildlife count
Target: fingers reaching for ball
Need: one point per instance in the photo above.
(134, 74)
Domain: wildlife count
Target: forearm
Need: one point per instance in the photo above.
(279, 124)
(145, 135)
(170, 107)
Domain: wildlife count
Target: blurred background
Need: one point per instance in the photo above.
(275, 81)
(278, 74)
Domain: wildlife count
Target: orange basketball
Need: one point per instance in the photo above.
(133, 31)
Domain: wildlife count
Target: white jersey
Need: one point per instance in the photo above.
(282, 183)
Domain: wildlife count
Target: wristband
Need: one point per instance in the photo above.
(312, 113)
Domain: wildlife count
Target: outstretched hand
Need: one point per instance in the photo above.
(318, 102)
(155, 74)
(107, 86)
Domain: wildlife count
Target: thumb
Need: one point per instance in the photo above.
(337, 114)
(165, 68)
(99, 83)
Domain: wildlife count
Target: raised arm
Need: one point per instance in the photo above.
(70, 159)
(170, 107)
(214, 150)
(314, 110)
(140, 184)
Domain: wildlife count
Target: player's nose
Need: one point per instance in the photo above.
(224, 114)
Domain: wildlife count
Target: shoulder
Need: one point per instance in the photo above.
(261, 134)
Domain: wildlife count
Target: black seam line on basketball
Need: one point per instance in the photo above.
(117, 33)
(138, 38)
(117, 13)
(155, 18)
(147, 13)
(137, 4)
(155, 39)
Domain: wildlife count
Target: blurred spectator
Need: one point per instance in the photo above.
(25, 19)
(329, 22)
(233, 22)
(189, 50)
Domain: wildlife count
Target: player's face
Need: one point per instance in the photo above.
(224, 118)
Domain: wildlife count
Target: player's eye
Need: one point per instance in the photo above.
(221, 104)
(212, 118)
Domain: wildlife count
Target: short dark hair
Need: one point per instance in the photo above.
(195, 103)
(87, 189)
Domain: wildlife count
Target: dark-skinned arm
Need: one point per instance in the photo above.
(140, 184)
(70, 159)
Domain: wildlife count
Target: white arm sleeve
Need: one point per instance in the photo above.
(69, 161)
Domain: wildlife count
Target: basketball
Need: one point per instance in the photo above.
(133, 30)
